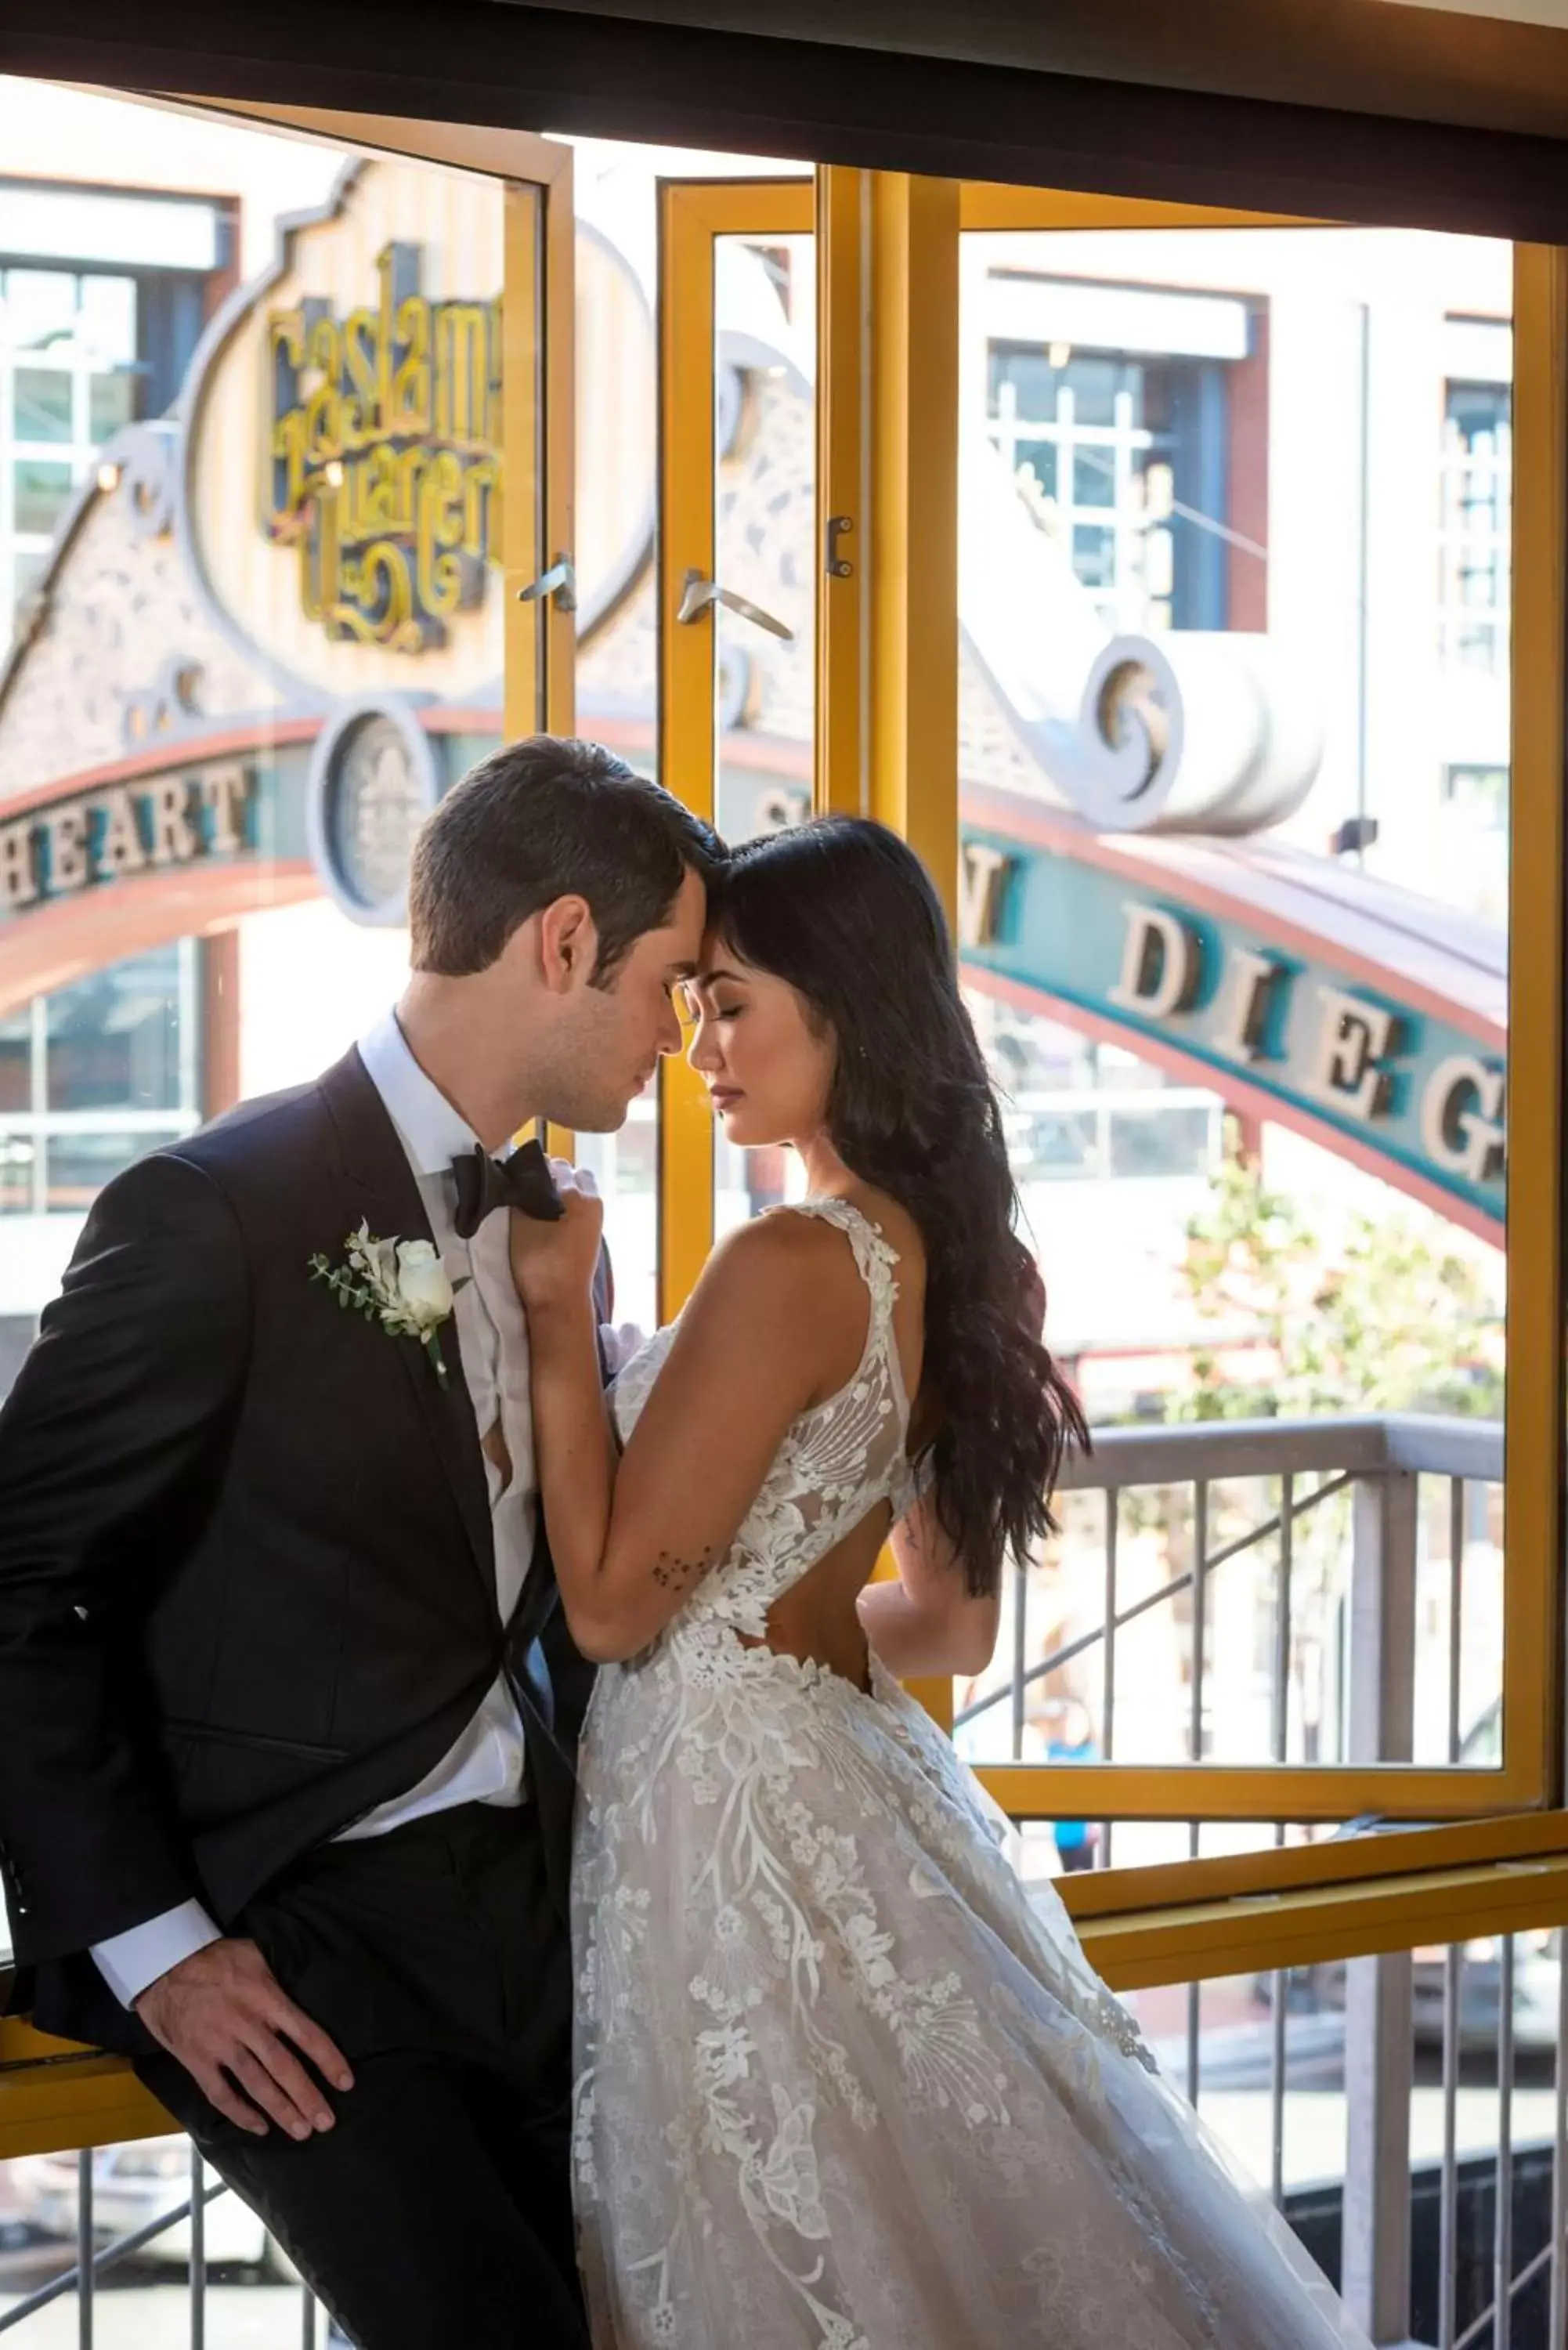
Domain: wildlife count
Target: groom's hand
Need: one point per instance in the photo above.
(225, 2016)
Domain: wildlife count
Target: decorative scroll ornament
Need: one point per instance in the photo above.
(143, 458)
(1190, 731)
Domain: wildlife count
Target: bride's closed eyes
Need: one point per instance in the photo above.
(693, 1004)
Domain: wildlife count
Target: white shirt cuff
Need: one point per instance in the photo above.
(129, 1962)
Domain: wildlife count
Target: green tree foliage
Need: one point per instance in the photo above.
(1382, 1317)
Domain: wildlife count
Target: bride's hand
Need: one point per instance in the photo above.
(553, 1264)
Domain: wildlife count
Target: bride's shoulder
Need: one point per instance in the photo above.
(782, 1296)
(782, 1245)
(786, 1268)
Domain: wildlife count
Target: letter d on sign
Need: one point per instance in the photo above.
(1161, 963)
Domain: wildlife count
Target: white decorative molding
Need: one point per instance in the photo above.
(1189, 731)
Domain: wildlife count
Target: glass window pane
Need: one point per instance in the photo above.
(1094, 477)
(78, 1165)
(1476, 520)
(25, 570)
(1264, 1180)
(765, 292)
(111, 404)
(1093, 384)
(17, 1153)
(1053, 1142)
(289, 986)
(1035, 463)
(1031, 377)
(114, 1038)
(42, 306)
(41, 490)
(108, 325)
(1161, 1142)
(625, 1165)
(17, 1060)
(43, 403)
(1094, 557)
(17, 1332)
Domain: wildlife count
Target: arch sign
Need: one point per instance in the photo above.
(270, 636)
(1196, 965)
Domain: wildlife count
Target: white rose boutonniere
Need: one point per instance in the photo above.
(422, 1283)
(401, 1284)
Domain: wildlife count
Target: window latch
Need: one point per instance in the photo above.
(558, 585)
(700, 593)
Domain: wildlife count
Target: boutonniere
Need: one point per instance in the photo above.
(401, 1284)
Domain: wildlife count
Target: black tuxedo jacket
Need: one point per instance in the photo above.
(247, 1588)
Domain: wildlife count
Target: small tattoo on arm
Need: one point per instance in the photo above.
(673, 1574)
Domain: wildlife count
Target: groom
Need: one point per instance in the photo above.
(286, 1708)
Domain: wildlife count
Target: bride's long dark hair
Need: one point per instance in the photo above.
(845, 911)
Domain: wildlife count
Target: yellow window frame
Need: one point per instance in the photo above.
(866, 383)
(693, 214)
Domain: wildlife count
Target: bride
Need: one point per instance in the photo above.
(841, 2082)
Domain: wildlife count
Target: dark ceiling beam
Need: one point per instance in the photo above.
(569, 70)
(1367, 57)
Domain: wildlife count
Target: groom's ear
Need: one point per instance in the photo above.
(568, 944)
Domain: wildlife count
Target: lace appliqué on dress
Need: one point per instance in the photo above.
(840, 2085)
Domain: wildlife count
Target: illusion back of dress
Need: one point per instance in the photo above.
(838, 1461)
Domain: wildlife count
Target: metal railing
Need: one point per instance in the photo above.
(1498, 2275)
(94, 2261)
(1379, 1469)
(1451, 2224)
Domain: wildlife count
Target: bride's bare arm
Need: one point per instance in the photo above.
(779, 1305)
(925, 1621)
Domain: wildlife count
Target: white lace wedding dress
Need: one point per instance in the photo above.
(841, 2084)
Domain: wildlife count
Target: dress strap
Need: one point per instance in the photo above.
(876, 1258)
(875, 1254)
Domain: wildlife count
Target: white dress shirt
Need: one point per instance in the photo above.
(486, 1764)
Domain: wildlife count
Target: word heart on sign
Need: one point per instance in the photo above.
(107, 836)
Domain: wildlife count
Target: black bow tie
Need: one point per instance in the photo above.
(522, 1181)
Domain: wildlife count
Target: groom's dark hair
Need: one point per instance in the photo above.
(543, 819)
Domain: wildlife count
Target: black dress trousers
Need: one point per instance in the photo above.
(437, 2214)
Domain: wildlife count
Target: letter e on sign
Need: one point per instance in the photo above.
(120, 849)
(1352, 1039)
(65, 834)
